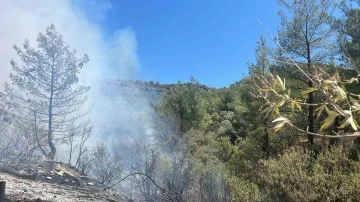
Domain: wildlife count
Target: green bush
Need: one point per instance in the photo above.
(242, 190)
(295, 176)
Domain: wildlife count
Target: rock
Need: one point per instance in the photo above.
(90, 183)
(48, 177)
(60, 172)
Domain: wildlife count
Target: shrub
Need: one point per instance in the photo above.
(242, 190)
(294, 176)
(105, 166)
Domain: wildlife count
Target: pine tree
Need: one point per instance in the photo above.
(305, 36)
(45, 93)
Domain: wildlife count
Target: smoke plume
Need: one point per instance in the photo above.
(111, 56)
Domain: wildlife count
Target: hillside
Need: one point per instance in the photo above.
(286, 131)
(38, 182)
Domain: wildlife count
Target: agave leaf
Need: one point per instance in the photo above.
(348, 112)
(268, 112)
(280, 82)
(280, 119)
(355, 106)
(278, 127)
(347, 122)
(350, 121)
(292, 104)
(340, 94)
(309, 90)
(354, 125)
(265, 110)
(352, 80)
(320, 110)
(329, 120)
(352, 99)
(327, 109)
(328, 81)
(280, 103)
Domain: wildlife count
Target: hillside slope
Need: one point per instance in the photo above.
(62, 184)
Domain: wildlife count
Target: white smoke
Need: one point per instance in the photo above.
(111, 55)
(20, 20)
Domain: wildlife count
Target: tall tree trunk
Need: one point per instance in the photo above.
(333, 141)
(267, 141)
(50, 142)
(37, 136)
(265, 146)
(311, 95)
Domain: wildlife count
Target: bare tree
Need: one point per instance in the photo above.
(148, 164)
(76, 139)
(180, 175)
(18, 143)
(105, 166)
(47, 85)
(16, 146)
(85, 133)
(5, 118)
(167, 131)
(71, 142)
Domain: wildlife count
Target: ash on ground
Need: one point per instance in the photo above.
(53, 181)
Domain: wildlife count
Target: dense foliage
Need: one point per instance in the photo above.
(286, 132)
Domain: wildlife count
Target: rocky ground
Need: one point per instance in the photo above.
(53, 182)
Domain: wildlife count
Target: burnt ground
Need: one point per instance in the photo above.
(50, 181)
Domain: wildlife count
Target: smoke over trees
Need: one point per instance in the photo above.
(263, 138)
(44, 95)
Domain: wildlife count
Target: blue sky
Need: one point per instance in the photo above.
(211, 40)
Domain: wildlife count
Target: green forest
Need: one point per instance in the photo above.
(287, 131)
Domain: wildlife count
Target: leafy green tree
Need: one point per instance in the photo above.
(261, 68)
(45, 91)
(184, 101)
(305, 37)
(262, 54)
(349, 32)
